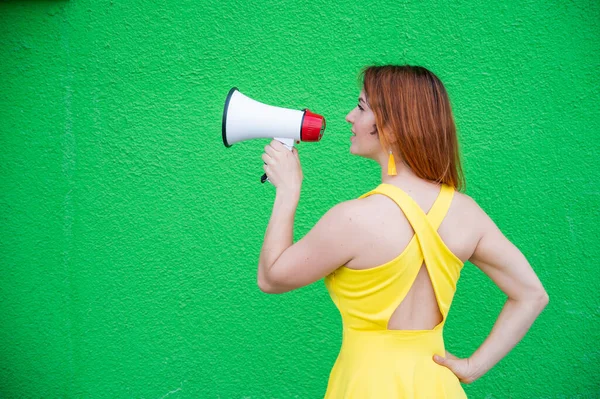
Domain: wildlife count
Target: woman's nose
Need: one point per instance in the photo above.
(348, 117)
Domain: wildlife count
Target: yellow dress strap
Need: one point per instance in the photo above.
(438, 211)
(443, 266)
(435, 215)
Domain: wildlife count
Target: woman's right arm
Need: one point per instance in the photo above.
(504, 263)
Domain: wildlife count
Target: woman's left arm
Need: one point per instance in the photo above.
(504, 263)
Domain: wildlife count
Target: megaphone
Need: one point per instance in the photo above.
(245, 119)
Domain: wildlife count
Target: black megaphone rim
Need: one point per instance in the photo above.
(224, 124)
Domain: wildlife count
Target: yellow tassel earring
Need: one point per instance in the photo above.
(391, 165)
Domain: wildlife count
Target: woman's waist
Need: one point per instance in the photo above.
(405, 342)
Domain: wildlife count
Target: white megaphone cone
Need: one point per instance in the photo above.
(245, 119)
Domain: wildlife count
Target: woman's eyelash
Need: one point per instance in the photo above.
(359, 107)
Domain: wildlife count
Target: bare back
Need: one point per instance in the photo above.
(386, 232)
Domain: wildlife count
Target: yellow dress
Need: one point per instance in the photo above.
(377, 363)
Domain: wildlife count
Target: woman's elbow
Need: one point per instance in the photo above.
(269, 288)
(264, 287)
(535, 299)
(543, 298)
(539, 298)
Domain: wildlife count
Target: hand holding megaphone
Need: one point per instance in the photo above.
(245, 119)
(287, 143)
(283, 167)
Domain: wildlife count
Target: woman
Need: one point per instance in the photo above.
(391, 258)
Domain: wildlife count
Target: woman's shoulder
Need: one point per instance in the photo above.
(462, 206)
(463, 210)
(465, 204)
(358, 211)
(469, 210)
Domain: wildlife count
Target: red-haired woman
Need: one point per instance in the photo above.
(391, 258)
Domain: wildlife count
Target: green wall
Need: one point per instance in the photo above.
(130, 235)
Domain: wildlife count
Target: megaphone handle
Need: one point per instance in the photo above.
(289, 144)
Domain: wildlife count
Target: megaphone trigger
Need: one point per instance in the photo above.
(288, 143)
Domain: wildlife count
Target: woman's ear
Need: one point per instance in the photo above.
(390, 137)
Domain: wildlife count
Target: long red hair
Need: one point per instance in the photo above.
(414, 119)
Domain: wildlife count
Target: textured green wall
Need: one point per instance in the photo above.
(130, 235)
